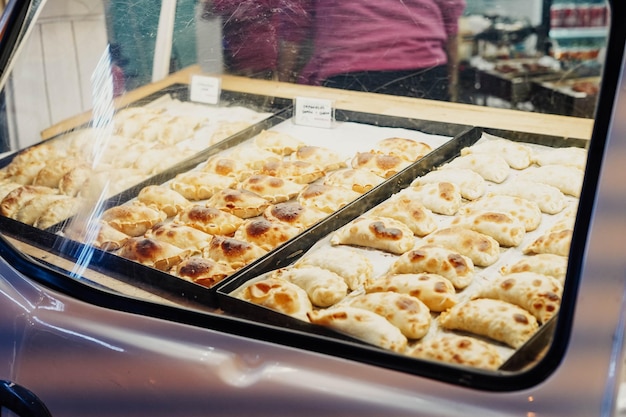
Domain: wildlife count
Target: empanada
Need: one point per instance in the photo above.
(326, 198)
(495, 319)
(324, 287)
(375, 232)
(483, 250)
(459, 350)
(538, 294)
(251, 155)
(233, 252)
(30, 211)
(325, 158)
(568, 179)
(543, 263)
(180, 235)
(294, 213)
(152, 252)
(363, 325)
(18, 197)
(109, 238)
(209, 219)
(355, 268)
(264, 233)
(491, 167)
(557, 243)
(240, 203)
(439, 197)
(58, 211)
(200, 185)
(409, 211)
(132, 219)
(471, 185)
(404, 311)
(507, 230)
(549, 199)
(300, 172)
(517, 155)
(407, 149)
(278, 142)
(53, 171)
(273, 189)
(73, 182)
(163, 198)
(570, 156)
(201, 271)
(453, 266)
(383, 165)
(523, 210)
(227, 167)
(279, 295)
(359, 180)
(435, 291)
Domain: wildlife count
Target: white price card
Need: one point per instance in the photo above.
(315, 112)
(205, 89)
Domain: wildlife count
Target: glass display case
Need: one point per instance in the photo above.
(372, 207)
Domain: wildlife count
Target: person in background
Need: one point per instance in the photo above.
(399, 47)
(260, 36)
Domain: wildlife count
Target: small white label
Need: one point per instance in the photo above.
(205, 89)
(315, 112)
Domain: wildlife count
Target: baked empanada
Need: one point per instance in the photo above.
(404, 311)
(483, 250)
(549, 199)
(233, 252)
(279, 295)
(278, 142)
(557, 243)
(109, 238)
(453, 266)
(251, 155)
(164, 199)
(273, 189)
(264, 233)
(300, 172)
(133, 219)
(543, 263)
(240, 203)
(325, 158)
(227, 167)
(407, 149)
(7, 186)
(359, 180)
(58, 211)
(523, 210)
(435, 291)
(568, 179)
(409, 211)
(538, 294)
(375, 232)
(495, 319)
(517, 155)
(294, 214)
(200, 185)
(201, 271)
(152, 252)
(471, 185)
(491, 167)
(507, 230)
(383, 165)
(355, 268)
(18, 197)
(324, 287)
(363, 325)
(326, 198)
(209, 219)
(180, 235)
(53, 171)
(459, 350)
(439, 197)
(76, 179)
(570, 156)
(35, 207)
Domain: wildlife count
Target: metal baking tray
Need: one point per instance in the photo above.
(284, 327)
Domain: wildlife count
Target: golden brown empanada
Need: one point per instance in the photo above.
(294, 213)
(383, 165)
(538, 294)
(278, 142)
(35, 207)
(200, 185)
(483, 250)
(300, 172)
(495, 319)
(459, 350)
(279, 295)
(439, 197)
(517, 155)
(251, 155)
(557, 243)
(507, 230)
(453, 266)
(264, 233)
(543, 263)
(409, 211)
(355, 268)
(180, 235)
(109, 238)
(202, 271)
(363, 325)
(491, 167)
(163, 198)
(6, 186)
(58, 211)
(53, 171)
(404, 311)
(209, 219)
(327, 198)
(273, 189)
(435, 291)
(18, 197)
(325, 158)
(375, 232)
(360, 180)
(524, 210)
(240, 203)
(407, 149)
(471, 185)
(227, 167)
(76, 179)
(324, 287)
(132, 219)
(233, 252)
(152, 252)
